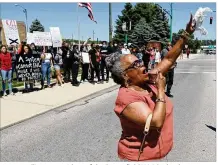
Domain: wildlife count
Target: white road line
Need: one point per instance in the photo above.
(195, 72)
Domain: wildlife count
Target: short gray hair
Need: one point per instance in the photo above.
(114, 65)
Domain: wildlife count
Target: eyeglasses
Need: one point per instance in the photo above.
(135, 65)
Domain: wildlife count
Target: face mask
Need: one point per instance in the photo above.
(104, 45)
(115, 44)
(126, 47)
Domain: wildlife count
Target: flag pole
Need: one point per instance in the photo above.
(78, 24)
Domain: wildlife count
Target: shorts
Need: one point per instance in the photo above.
(57, 67)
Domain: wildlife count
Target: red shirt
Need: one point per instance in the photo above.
(157, 145)
(6, 61)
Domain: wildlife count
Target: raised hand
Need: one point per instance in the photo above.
(190, 28)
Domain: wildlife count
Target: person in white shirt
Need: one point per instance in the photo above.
(157, 57)
(125, 50)
(46, 67)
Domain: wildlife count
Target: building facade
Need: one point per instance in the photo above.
(21, 30)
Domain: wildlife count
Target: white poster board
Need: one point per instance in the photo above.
(85, 58)
(11, 32)
(56, 36)
(30, 38)
(42, 38)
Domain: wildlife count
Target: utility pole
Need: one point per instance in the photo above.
(93, 35)
(171, 22)
(110, 23)
(25, 12)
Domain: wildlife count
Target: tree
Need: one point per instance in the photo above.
(153, 16)
(127, 13)
(160, 25)
(36, 26)
(142, 33)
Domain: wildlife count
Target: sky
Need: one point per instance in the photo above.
(66, 16)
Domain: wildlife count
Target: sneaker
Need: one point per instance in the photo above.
(12, 94)
(4, 94)
(169, 94)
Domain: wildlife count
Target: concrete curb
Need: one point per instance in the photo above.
(63, 108)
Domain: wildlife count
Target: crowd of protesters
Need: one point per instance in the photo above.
(65, 63)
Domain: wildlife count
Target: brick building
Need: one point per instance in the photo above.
(21, 30)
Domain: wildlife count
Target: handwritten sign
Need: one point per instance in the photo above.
(11, 32)
(42, 38)
(28, 67)
(56, 36)
(30, 38)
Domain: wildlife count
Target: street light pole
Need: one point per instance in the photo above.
(171, 22)
(110, 23)
(25, 12)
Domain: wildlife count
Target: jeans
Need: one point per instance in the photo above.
(46, 72)
(6, 75)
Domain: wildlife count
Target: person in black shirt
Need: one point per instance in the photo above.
(75, 59)
(85, 66)
(66, 61)
(12, 51)
(104, 53)
(93, 53)
(115, 46)
(146, 57)
(110, 48)
(170, 73)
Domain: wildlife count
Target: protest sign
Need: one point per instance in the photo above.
(30, 38)
(11, 32)
(56, 36)
(42, 38)
(28, 67)
(85, 58)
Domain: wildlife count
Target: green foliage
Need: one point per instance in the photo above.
(142, 33)
(36, 26)
(143, 14)
(208, 42)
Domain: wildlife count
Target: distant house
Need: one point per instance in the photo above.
(21, 30)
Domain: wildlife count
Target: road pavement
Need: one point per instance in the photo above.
(90, 131)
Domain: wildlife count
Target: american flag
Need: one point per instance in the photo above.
(88, 6)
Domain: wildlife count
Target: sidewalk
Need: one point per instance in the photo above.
(23, 106)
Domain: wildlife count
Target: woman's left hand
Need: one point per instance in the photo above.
(190, 28)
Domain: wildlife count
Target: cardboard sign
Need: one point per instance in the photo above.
(56, 36)
(28, 67)
(42, 38)
(11, 32)
(30, 38)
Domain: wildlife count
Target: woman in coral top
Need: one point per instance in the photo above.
(6, 70)
(145, 112)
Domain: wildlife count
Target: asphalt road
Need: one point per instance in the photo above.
(90, 132)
